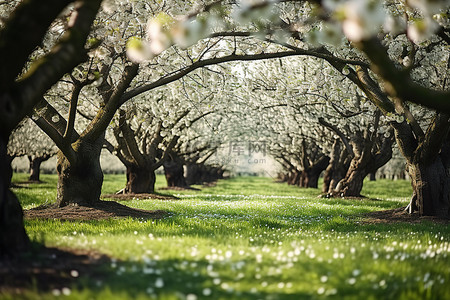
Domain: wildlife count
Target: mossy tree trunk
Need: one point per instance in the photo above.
(80, 180)
(80, 176)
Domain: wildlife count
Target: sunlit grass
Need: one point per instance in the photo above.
(250, 238)
(33, 194)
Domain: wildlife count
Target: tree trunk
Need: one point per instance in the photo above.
(140, 180)
(431, 189)
(334, 173)
(352, 184)
(193, 174)
(174, 173)
(35, 166)
(309, 177)
(200, 174)
(80, 182)
(294, 177)
(13, 238)
(368, 159)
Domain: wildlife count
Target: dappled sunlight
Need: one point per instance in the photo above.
(256, 246)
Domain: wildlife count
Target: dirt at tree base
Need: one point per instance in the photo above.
(100, 211)
(179, 188)
(399, 215)
(141, 196)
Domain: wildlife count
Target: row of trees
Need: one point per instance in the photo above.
(395, 54)
(63, 60)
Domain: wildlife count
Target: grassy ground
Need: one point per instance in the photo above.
(250, 238)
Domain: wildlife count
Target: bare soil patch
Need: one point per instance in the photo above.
(143, 196)
(100, 211)
(399, 215)
(179, 188)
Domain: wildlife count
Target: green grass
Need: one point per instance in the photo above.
(250, 238)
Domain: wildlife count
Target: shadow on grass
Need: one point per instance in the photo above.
(204, 279)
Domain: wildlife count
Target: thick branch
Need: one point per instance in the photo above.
(339, 133)
(130, 140)
(22, 33)
(51, 115)
(434, 138)
(111, 149)
(57, 138)
(412, 121)
(203, 63)
(106, 114)
(156, 140)
(405, 139)
(78, 86)
(169, 147)
(399, 82)
(65, 55)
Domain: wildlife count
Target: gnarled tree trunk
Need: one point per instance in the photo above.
(140, 179)
(428, 164)
(80, 181)
(431, 188)
(352, 183)
(193, 174)
(336, 169)
(174, 170)
(294, 177)
(367, 159)
(199, 173)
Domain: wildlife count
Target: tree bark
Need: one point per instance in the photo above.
(294, 177)
(368, 159)
(309, 177)
(35, 166)
(336, 169)
(193, 174)
(352, 184)
(140, 180)
(13, 238)
(428, 165)
(80, 181)
(431, 189)
(174, 173)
